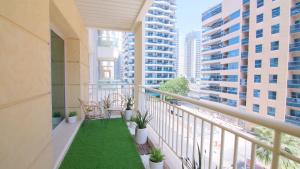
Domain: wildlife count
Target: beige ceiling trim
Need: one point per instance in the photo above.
(144, 9)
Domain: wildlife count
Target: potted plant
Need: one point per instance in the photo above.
(156, 160)
(128, 111)
(56, 118)
(72, 118)
(141, 129)
(106, 102)
(131, 122)
(193, 164)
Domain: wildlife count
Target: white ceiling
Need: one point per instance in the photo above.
(112, 14)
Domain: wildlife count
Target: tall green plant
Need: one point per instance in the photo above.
(142, 120)
(129, 103)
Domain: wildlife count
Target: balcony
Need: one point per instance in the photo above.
(212, 57)
(295, 28)
(244, 55)
(294, 83)
(243, 95)
(212, 12)
(243, 82)
(294, 65)
(29, 141)
(244, 69)
(293, 102)
(245, 28)
(295, 47)
(292, 119)
(246, 2)
(245, 41)
(246, 14)
(295, 10)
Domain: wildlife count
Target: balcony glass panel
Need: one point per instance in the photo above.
(295, 28)
(294, 65)
(294, 83)
(294, 102)
(295, 10)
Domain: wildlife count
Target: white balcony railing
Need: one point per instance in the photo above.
(219, 131)
(222, 144)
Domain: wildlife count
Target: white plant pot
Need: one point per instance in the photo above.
(141, 135)
(128, 114)
(154, 165)
(72, 119)
(56, 120)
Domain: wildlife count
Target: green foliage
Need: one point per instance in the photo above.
(129, 103)
(156, 155)
(106, 102)
(177, 85)
(72, 114)
(142, 120)
(288, 143)
(56, 114)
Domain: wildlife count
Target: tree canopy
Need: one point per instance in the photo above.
(289, 143)
(179, 85)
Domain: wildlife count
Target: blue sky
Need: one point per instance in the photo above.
(189, 14)
(189, 17)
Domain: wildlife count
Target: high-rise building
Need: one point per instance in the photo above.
(128, 55)
(250, 57)
(160, 45)
(192, 51)
(104, 51)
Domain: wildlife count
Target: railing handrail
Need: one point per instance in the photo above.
(250, 117)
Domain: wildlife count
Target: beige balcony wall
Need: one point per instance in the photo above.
(25, 86)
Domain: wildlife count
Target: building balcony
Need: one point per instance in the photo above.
(293, 83)
(245, 41)
(295, 47)
(295, 10)
(292, 119)
(294, 65)
(293, 102)
(295, 28)
(246, 2)
(212, 57)
(244, 68)
(243, 82)
(243, 95)
(245, 28)
(246, 14)
(244, 55)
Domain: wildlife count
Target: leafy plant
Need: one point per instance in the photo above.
(129, 103)
(192, 164)
(289, 143)
(177, 85)
(156, 155)
(56, 114)
(142, 120)
(72, 114)
(107, 102)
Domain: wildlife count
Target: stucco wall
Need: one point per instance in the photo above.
(25, 87)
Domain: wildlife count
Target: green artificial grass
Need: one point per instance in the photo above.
(103, 145)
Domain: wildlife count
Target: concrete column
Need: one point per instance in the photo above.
(138, 62)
